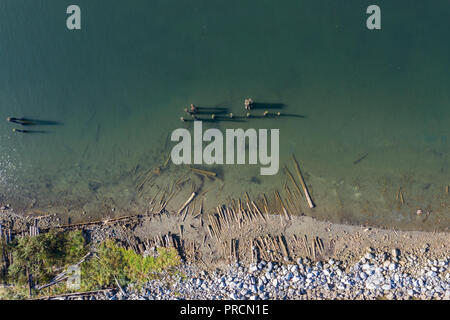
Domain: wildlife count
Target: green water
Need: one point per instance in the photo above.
(118, 88)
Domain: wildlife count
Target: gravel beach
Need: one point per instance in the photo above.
(357, 262)
(386, 275)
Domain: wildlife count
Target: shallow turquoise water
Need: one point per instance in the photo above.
(118, 87)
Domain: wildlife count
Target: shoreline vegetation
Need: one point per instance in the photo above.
(38, 266)
(120, 257)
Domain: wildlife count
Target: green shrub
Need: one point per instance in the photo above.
(13, 293)
(44, 255)
(125, 265)
(5, 249)
(140, 269)
(102, 270)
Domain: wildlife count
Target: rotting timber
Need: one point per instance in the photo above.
(245, 229)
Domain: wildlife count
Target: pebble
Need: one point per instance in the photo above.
(395, 252)
(253, 268)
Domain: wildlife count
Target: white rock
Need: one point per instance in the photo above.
(341, 287)
(294, 268)
(392, 266)
(234, 296)
(431, 274)
(253, 268)
(371, 286)
(369, 256)
(386, 287)
(395, 253)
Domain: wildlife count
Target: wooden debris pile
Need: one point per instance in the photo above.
(270, 248)
(312, 249)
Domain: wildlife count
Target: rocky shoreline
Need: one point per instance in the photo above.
(357, 263)
(377, 275)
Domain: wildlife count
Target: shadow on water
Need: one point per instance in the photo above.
(216, 110)
(30, 131)
(275, 115)
(33, 122)
(217, 119)
(245, 118)
(267, 105)
(292, 115)
(209, 112)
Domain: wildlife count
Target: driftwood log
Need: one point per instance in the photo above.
(302, 182)
(188, 201)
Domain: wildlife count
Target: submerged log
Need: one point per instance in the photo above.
(302, 182)
(283, 207)
(258, 211)
(204, 172)
(293, 180)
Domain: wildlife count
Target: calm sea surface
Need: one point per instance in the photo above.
(371, 109)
